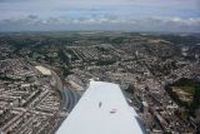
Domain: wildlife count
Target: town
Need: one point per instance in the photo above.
(43, 75)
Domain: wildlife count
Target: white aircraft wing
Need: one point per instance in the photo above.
(102, 110)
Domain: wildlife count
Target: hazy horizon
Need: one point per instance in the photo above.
(90, 15)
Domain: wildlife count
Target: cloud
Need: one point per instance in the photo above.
(125, 14)
(174, 24)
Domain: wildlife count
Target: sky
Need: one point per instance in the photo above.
(119, 15)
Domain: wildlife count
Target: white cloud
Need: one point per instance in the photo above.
(104, 21)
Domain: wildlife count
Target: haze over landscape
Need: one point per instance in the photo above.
(100, 67)
(126, 15)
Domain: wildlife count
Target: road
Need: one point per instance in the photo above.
(69, 97)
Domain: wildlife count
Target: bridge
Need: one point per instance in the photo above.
(102, 110)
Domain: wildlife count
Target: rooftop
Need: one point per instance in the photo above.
(43, 70)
